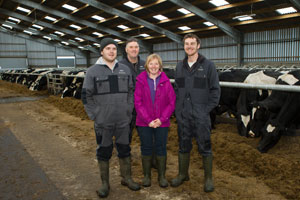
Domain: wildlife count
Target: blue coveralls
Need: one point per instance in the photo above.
(197, 93)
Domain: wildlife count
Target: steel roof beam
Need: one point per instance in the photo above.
(23, 35)
(49, 10)
(47, 25)
(54, 37)
(131, 18)
(232, 32)
(296, 3)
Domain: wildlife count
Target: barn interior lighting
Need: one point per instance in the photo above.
(46, 37)
(14, 19)
(69, 7)
(28, 32)
(184, 28)
(75, 26)
(219, 2)
(208, 23)
(160, 17)
(59, 33)
(117, 40)
(144, 35)
(96, 44)
(65, 43)
(98, 34)
(287, 10)
(79, 39)
(123, 27)
(97, 17)
(50, 18)
(132, 4)
(7, 26)
(37, 26)
(23, 9)
(184, 11)
(80, 47)
(243, 17)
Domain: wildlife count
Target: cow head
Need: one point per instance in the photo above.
(243, 123)
(259, 117)
(270, 136)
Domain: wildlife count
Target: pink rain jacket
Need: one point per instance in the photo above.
(163, 106)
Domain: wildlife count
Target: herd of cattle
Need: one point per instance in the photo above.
(258, 113)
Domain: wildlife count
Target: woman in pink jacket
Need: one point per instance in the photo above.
(154, 100)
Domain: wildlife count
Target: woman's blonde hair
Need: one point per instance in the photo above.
(152, 57)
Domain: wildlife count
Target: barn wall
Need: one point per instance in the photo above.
(267, 46)
(17, 52)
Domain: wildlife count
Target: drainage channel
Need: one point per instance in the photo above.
(20, 99)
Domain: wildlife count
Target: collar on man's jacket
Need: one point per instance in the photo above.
(200, 59)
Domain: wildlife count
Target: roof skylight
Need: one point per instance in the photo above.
(123, 27)
(219, 2)
(65, 43)
(184, 11)
(59, 33)
(131, 4)
(38, 26)
(7, 26)
(184, 28)
(69, 7)
(208, 23)
(98, 34)
(97, 17)
(79, 39)
(144, 35)
(50, 18)
(46, 37)
(23, 9)
(287, 10)
(160, 17)
(75, 26)
(14, 19)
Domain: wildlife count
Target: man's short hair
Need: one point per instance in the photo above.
(191, 35)
(132, 39)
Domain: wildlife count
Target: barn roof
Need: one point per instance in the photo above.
(83, 23)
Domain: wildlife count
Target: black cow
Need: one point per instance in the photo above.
(288, 114)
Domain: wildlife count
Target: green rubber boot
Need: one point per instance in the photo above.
(146, 162)
(183, 175)
(104, 173)
(208, 180)
(161, 169)
(125, 169)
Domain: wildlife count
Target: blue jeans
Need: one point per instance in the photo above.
(153, 140)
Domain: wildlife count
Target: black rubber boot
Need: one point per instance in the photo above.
(104, 173)
(147, 162)
(125, 169)
(208, 180)
(161, 169)
(183, 175)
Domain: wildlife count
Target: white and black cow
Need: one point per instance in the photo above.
(73, 85)
(288, 115)
(248, 96)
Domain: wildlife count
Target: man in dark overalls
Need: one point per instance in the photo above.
(197, 93)
(107, 95)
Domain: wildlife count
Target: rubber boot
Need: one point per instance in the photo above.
(161, 169)
(183, 175)
(208, 180)
(125, 169)
(104, 173)
(147, 162)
